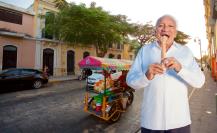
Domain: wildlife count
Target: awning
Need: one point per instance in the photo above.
(93, 62)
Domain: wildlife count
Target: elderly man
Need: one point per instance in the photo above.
(164, 69)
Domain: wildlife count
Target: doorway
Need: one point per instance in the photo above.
(9, 57)
(70, 62)
(48, 60)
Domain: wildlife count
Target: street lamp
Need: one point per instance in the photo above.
(199, 42)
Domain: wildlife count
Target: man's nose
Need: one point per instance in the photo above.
(165, 28)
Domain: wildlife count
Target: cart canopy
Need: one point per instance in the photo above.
(98, 63)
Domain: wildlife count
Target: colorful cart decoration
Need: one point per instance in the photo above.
(105, 63)
(108, 98)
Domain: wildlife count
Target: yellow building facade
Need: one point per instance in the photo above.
(211, 31)
(60, 57)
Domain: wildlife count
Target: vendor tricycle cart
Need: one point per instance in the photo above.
(111, 96)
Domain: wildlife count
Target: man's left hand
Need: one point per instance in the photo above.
(172, 63)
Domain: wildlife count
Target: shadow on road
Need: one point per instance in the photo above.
(90, 124)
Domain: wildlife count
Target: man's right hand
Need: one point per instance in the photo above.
(154, 69)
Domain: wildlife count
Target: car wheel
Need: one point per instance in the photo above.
(130, 96)
(37, 84)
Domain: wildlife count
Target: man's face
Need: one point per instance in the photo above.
(166, 27)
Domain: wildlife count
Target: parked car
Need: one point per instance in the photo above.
(23, 76)
(98, 75)
(94, 77)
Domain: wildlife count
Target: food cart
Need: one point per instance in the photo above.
(110, 97)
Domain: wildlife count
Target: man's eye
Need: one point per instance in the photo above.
(171, 26)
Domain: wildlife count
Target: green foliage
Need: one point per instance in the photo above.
(182, 38)
(78, 24)
(144, 33)
(60, 4)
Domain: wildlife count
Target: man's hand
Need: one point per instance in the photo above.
(154, 69)
(172, 63)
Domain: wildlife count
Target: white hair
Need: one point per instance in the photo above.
(166, 16)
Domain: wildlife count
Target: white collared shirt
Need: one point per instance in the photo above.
(165, 102)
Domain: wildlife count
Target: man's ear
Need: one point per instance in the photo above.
(176, 33)
(154, 32)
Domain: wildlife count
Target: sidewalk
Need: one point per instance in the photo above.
(62, 78)
(203, 107)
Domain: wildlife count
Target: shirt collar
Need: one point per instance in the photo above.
(175, 45)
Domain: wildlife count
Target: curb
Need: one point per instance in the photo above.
(60, 80)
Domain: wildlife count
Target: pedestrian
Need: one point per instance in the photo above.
(46, 70)
(165, 107)
(122, 80)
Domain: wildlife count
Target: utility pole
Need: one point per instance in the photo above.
(201, 60)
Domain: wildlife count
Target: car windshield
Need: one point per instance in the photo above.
(97, 71)
(4, 71)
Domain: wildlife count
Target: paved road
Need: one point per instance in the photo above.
(58, 108)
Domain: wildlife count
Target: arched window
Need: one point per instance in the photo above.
(9, 57)
(85, 54)
(111, 56)
(119, 56)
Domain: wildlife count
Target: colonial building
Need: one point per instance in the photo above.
(211, 29)
(40, 49)
(17, 44)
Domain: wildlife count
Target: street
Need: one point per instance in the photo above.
(58, 107)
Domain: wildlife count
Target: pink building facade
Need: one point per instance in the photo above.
(17, 43)
(25, 44)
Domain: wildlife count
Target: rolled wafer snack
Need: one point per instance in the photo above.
(163, 49)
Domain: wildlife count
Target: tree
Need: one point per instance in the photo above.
(78, 24)
(144, 33)
(60, 4)
(182, 38)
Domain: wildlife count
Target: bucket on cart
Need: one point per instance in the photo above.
(98, 107)
(124, 102)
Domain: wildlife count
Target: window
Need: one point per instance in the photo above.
(119, 56)
(110, 45)
(131, 57)
(85, 54)
(111, 56)
(10, 16)
(12, 72)
(27, 71)
(118, 46)
(45, 33)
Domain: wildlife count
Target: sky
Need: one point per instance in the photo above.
(188, 13)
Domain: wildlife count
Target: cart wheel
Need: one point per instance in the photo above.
(117, 115)
(130, 96)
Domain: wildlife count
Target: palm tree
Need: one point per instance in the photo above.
(60, 4)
